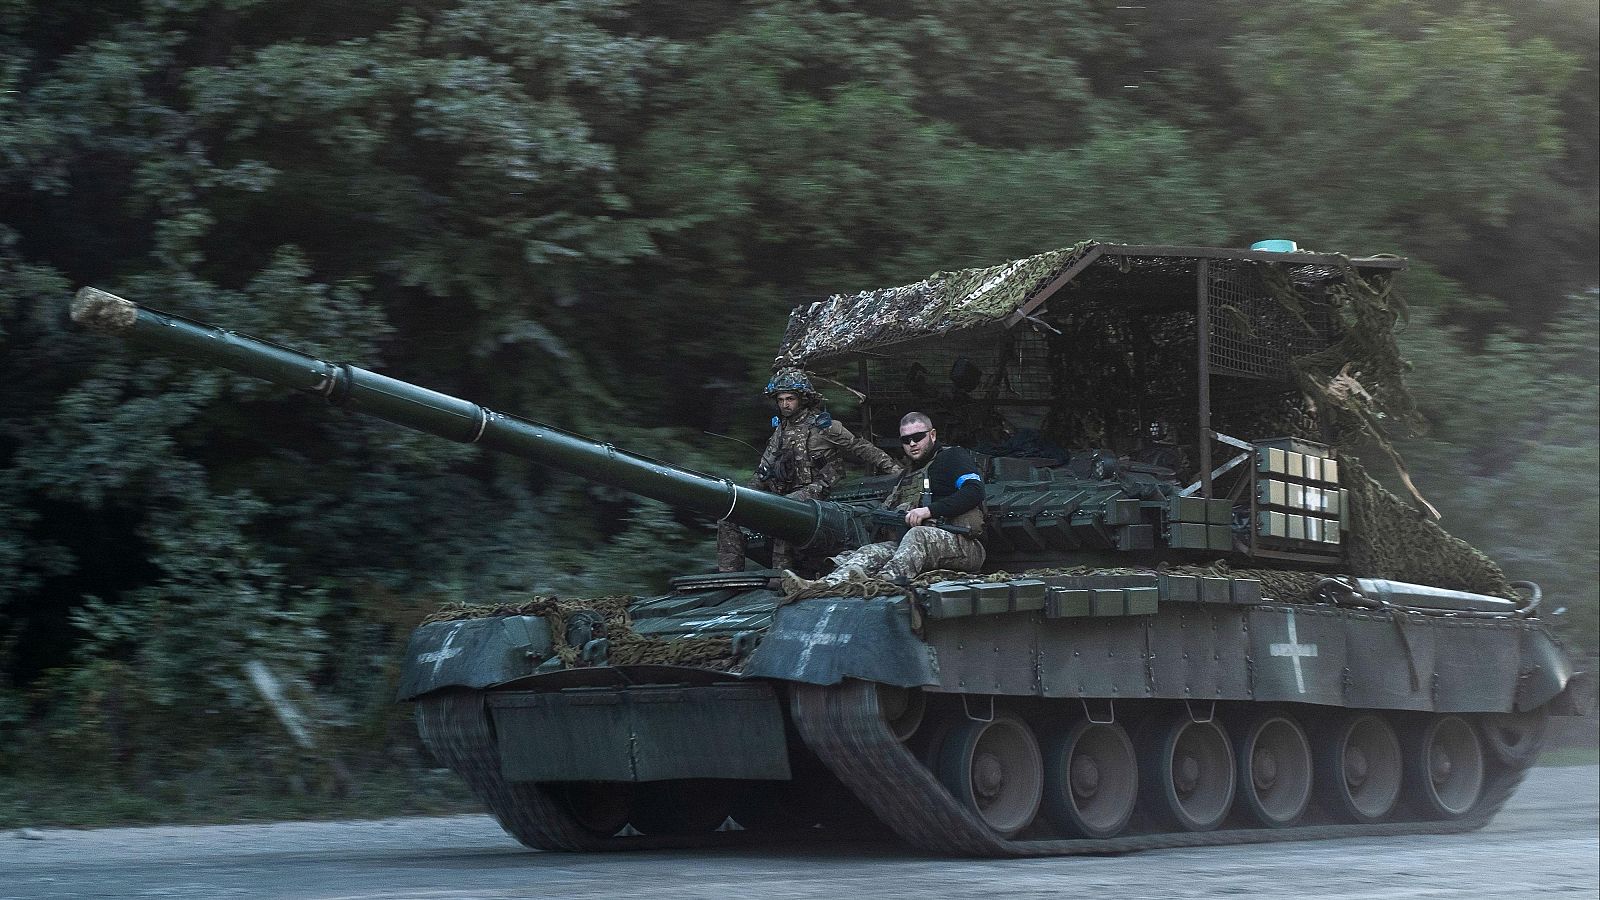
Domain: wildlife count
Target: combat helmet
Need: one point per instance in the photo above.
(793, 380)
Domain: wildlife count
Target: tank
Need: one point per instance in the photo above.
(1200, 622)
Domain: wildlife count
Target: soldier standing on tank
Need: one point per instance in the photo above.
(802, 461)
(940, 483)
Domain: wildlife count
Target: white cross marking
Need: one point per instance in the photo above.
(1294, 650)
(725, 618)
(444, 652)
(817, 636)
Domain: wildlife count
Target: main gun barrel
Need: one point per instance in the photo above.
(803, 522)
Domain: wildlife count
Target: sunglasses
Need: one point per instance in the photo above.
(913, 437)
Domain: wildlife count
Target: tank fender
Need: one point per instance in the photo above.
(1545, 670)
(472, 653)
(825, 641)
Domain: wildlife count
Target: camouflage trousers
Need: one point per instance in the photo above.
(730, 540)
(923, 549)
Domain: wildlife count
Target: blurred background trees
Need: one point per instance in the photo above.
(598, 213)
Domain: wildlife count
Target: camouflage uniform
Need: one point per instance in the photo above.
(923, 548)
(803, 459)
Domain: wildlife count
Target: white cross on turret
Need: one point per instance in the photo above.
(444, 652)
(820, 635)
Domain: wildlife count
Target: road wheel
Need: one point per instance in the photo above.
(903, 709)
(1445, 767)
(1274, 770)
(1091, 779)
(1360, 768)
(995, 770)
(1188, 772)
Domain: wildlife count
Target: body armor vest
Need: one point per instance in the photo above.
(914, 490)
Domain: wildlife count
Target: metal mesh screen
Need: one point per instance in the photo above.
(1001, 367)
(979, 387)
(1112, 361)
(1094, 371)
(1253, 334)
(1254, 408)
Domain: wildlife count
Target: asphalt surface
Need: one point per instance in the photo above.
(1546, 843)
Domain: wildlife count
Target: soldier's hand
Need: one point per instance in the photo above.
(919, 515)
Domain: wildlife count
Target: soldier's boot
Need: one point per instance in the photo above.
(843, 574)
(895, 576)
(793, 584)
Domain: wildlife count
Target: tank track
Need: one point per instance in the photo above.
(455, 726)
(845, 728)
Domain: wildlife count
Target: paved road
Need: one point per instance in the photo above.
(1545, 843)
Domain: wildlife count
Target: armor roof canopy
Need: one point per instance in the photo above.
(998, 297)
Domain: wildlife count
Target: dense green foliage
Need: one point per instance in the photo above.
(598, 213)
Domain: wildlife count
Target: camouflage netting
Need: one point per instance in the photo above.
(941, 303)
(1359, 379)
(1366, 310)
(628, 648)
(1391, 539)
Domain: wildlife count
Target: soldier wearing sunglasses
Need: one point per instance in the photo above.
(940, 484)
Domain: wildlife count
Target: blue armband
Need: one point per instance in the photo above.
(823, 419)
(970, 476)
(774, 421)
